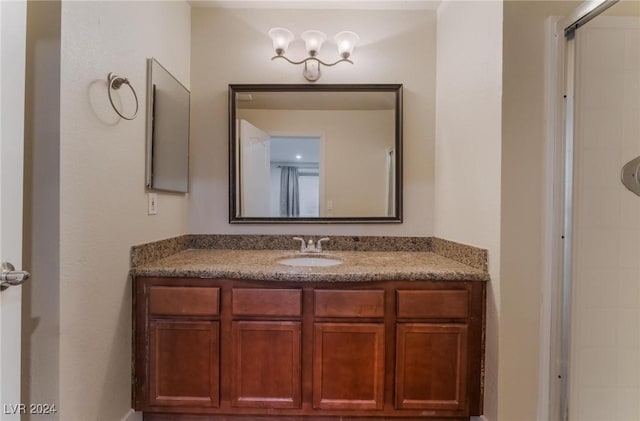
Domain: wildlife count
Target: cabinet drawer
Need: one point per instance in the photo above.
(432, 304)
(266, 302)
(183, 301)
(341, 303)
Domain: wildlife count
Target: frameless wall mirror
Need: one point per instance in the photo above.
(167, 130)
(315, 153)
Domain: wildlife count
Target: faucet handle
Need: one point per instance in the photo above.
(319, 243)
(302, 245)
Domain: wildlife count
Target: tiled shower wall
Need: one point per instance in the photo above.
(605, 332)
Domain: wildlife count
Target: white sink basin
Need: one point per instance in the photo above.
(315, 261)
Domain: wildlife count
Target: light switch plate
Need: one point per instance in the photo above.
(153, 203)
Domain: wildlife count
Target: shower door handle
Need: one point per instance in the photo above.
(631, 175)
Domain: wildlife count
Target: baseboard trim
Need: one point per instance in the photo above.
(132, 416)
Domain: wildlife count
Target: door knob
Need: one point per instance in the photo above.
(11, 277)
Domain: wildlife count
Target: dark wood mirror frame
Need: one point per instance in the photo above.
(396, 89)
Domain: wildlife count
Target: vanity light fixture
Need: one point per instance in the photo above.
(346, 41)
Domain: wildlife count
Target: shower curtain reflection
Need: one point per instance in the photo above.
(289, 192)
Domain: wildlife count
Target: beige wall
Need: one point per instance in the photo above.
(41, 232)
(468, 116)
(232, 46)
(354, 153)
(523, 205)
(624, 8)
(103, 205)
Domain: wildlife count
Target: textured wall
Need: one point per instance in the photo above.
(468, 142)
(102, 194)
(522, 385)
(232, 46)
(41, 300)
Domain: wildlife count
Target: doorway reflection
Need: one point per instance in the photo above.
(295, 176)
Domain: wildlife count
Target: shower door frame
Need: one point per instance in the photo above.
(556, 312)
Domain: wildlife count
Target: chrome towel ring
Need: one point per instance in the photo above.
(115, 82)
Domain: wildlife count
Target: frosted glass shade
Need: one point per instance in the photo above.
(313, 40)
(346, 41)
(281, 38)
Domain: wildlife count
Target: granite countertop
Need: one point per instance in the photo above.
(262, 265)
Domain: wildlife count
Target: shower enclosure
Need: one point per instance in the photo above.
(600, 309)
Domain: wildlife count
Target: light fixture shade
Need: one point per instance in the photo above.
(346, 40)
(313, 40)
(281, 38)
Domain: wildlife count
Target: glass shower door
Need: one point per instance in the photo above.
(604, 360)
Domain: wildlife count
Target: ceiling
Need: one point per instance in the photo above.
(285, 149)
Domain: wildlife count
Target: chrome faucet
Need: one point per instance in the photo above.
(319, 244)
(303, 247)
(309, 247)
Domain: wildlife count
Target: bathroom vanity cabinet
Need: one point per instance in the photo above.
(227, 349)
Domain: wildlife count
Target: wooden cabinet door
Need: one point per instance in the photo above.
(431, 366)
(184, 363)
(266, 364)
(348, 366)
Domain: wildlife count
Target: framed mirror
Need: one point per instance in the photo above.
(315, 153)
(167, 131)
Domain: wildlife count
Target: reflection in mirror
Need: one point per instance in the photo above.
(167, 130)
(295, 176)
(322, 153)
